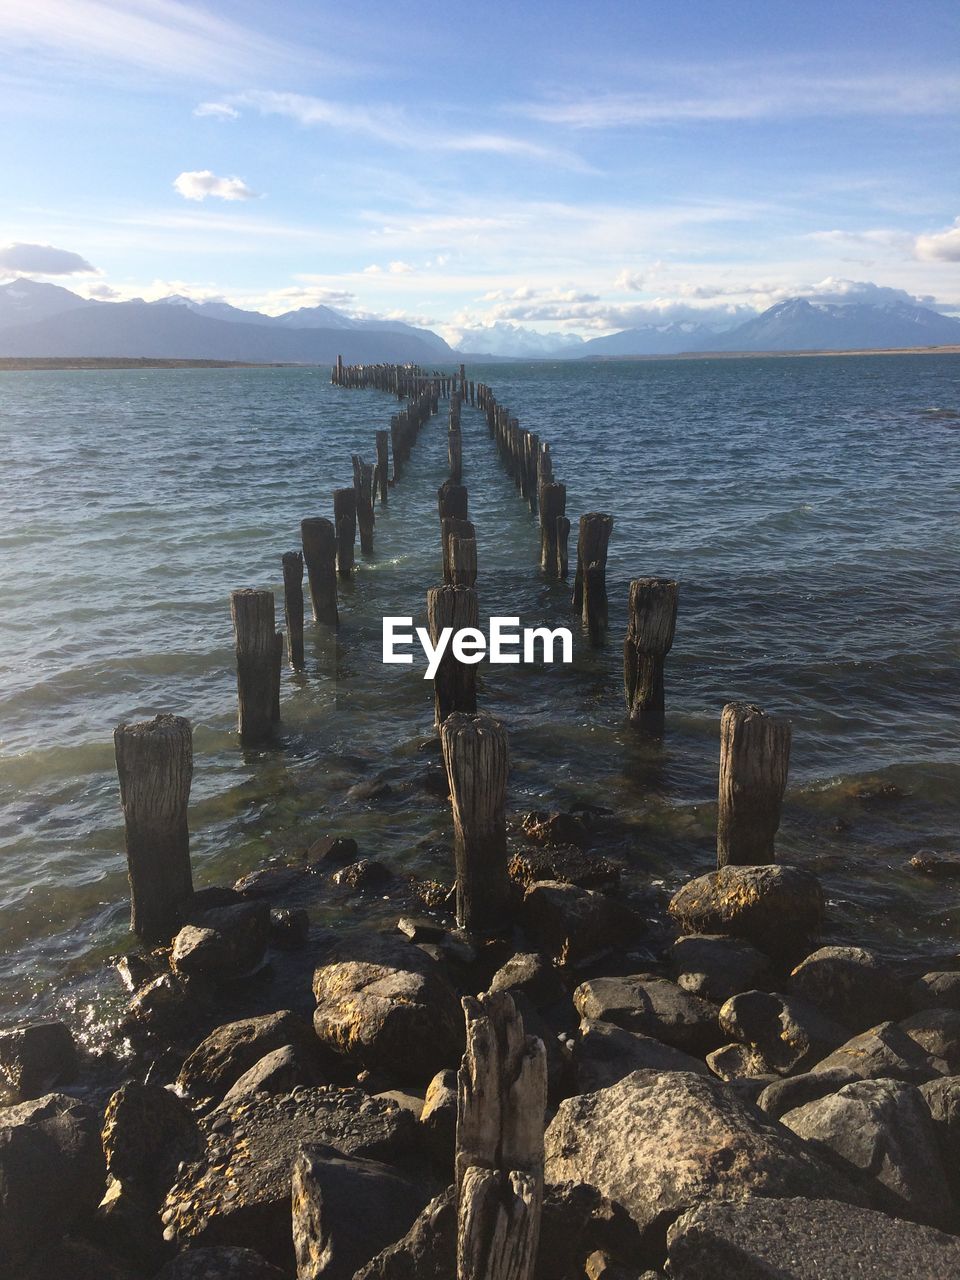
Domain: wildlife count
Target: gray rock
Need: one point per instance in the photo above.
(220, 1264)
(279, 1071)
(35, 1058)
(51, 1174)
(660, 1142)
(937, 1031)
(715, 968)
(738, 1062)
(532, 974)
(572, 925)
(147, 1132)
(940, 990)
(223, 943)
(564, 863)
(365, 875)
(653, 1007)
(333, 851)
(781, 1096)
(270, 882)
(346, 1210)
(221, 1059)
(851, 985)
(128, 1225)
(883, 1129)
(427, 1252)
(793, 1239)
(603, 1054)
(785, 1031)
(885, 1051)
(239, 1192)
(438, 1119)
(165, 1006)
(778, 908)
(942, 1097)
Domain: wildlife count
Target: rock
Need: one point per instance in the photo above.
(936, 991)
(147, 1132)
(280, 1071)
(427, 1252)
(411, 1102)
(239, 1192)
(788, 1033)
(939, 866)
(134, 971)
(333, 851)
(438, 1119)
(346, 1210)
(653, 1007)
(851, 985)
(367, 874)
(532, 974)
(794, 1239)
(603, 1054)
(227, 942)
(51, 1174)
(572, 925)
(883, 1129)
(211, 898)
(221, 1059)
(166, 1006)
(942, 1097)
(566, 864)
(781, 1096)
(35, 1058)
(600, 1266)
(715, 968)
(577, 1222)
(403, 1020)
(660, 1142)
(778, 908)
(554, 828)
(289, 928)
(937, 1031)
(884, 1051)
(220, 1264)
(738, 1062)
(421, 929)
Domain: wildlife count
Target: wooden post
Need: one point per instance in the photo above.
(383, 465)
(462, 560)
(339, 376)
(363, 492)
(501, 1106)
(320, 553)
(477, 759)
(754, 758)
(455, 454)
(563, 538)
(553, 502)
(453, 529)
(452, 501)
(595, 530)
(345, 522)
(651, 623)
(155, 768)
(293, 605)
(258, 658)
(455, 684)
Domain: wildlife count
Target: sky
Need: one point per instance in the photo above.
(563, 167)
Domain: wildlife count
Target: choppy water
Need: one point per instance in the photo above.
(808, 507)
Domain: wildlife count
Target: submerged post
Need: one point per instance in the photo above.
(320, 553)
(754, 759)
(259, 651)
(501, 1106)
(592, 542)
(293, 605)
(651, 623)
(553, 505)
(155, 768)
(383, 465)
(455, 684)
(363, 491)
(345, 522)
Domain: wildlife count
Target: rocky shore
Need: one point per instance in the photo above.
(726, 1097)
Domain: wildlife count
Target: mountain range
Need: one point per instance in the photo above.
(46, 320)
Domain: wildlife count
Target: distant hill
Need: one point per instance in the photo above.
(800, 325)
(652, 340)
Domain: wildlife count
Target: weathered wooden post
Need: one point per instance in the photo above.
(293, 605)
(363, 492)
(651, 623)
(345, 522)
(462, 560)
(455, 684)
(339, 374)
(452, 501)
(563, 538)
(553, 502)
(595, 530)
(477, 758)
(449, 529)
(383, 465)
(155, 768)
(501, 1106)
(320, 553)
(259, 651)
(754, 759)
(455, 454)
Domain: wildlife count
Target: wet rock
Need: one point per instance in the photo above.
(229, 942)
(270, 882)
(940, 990)
(653, 1007)
(554, 828)
(779, 908)
(937, 1031)
(333, 851)
(433, 780)
(660, 1142)
(878, 791)
(403, 1020)
(788, 1033)
(51, 1174)
(939, 866)
(220, 1264)
(370, 789)
(884, 1051)
(427, 1252)
(604, 1054)
(280, 1071)
(565, 863)
(738, 1062)
(532, 974)
(438, 1119)
(421, 929)
(572, 925)
(289, 928)
(346, 1210)
(781, 1096)
(35, 1058)
(211, 899)
(851, 985)
(147, 1132)
(239, 1192)
(883, 1129)
(166, 1006)
(134, 971)
(794, 1239)
(366, 875)
(128, 1226)
(715, 967)
(222, 1058)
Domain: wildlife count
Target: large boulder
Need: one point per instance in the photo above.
(604, 1054)
(942, 1097)
(222, 1058)
(147, 1132)
(781, 1096)
(851, 985)
(884, 1052)
(786, 1032)
(653, 1007)
(715, 968)
(34, 1059)
(279, 1071)
(573, 925)
(778, 908)
(937, 1032)
(937, 990)
(883, 1129)
(660, 1142)
(794, 1239)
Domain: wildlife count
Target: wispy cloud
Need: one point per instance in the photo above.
(941, 246)
(197, 184)
(216, 111)
(43, 260)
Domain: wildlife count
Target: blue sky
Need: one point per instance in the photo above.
(561, 167)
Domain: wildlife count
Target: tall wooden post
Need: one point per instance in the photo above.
(320, 553)
(155, 768)
(293, 605)
(259, 650)
(449, 529)
(553, 504)
(455, 684)
(345, 522)
(363, 492)
(590, 599)
(651, 623)
(754, 759)
(501, 1106)
(477, 759)
(455, 454)
(383, 465)
(462, 560)
(452, 501)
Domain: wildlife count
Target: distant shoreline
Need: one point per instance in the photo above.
(781, 355)
(132, 362)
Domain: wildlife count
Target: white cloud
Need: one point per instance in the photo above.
(942, 246)
(197, 184)
(43, 260)
(216, 111)
(104, 292)
(399, 268)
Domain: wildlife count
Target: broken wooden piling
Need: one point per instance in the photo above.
(320, 554)
(651, 623)
(455, 683)
(259, 654)
(553, 503)
(754, 760)
(345, 523)
(363, 493)
(382, 479)
(293, 605)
